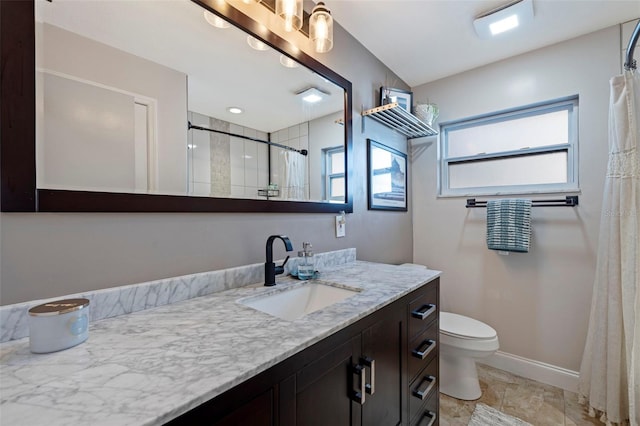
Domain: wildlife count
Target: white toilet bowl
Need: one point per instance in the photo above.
(462, 341)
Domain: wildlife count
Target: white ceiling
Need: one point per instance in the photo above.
(425, 40)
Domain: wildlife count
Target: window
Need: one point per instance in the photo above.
(334, 184)
(527, 150)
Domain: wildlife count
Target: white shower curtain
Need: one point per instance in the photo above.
(610, 371)
(293, 170)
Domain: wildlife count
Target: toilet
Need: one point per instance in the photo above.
(462, 341)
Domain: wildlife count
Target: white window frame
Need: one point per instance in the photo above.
(326, 154)
(572, 185)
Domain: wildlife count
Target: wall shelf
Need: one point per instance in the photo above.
(395, 117)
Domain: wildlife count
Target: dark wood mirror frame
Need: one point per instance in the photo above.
(18, 135)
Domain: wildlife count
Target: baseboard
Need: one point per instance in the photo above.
(535, 370)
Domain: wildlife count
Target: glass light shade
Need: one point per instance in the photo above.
(288, 62)
(291, 12)
(216, 21)
(321, 28)
(257, 44)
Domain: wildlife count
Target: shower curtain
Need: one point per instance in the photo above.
(610, 371)
(293, 167)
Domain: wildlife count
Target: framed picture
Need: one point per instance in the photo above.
(404, 98)
(387, 177)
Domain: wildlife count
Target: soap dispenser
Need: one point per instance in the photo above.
(306, 262)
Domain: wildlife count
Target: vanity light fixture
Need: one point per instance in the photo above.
(312, 95)
(235, 110)
(291, 12)
(215, 20)
(504, 18)
(288, 62)
(321, 28)
(257, 44)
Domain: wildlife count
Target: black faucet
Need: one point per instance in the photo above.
(270, 268)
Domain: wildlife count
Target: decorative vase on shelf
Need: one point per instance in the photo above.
(427, 113)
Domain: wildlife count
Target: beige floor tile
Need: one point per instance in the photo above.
(575, 413)
(531, 401)
(535, 403)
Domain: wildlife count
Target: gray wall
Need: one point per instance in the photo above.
(538, 302)
(49, 255)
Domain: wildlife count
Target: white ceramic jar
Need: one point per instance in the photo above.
(58, 325)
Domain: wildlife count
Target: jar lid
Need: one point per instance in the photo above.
(58, 307)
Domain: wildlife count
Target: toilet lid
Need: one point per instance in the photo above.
(459, 325)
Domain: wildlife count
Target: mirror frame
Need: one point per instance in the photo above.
(18, 138)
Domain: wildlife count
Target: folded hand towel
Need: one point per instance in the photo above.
(509, 224)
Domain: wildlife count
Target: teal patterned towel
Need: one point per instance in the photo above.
(509, 224)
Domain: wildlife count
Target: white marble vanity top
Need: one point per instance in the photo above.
(148, 367)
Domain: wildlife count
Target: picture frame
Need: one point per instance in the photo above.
(386, 177)
(404, 98)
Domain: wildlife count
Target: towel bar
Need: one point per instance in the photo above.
(569, 201)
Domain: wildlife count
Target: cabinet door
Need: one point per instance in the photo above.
(238, 407)
(382, 353)
(325, 390)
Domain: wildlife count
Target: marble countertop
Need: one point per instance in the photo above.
(148, 367)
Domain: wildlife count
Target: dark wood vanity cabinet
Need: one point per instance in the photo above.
(382, 370)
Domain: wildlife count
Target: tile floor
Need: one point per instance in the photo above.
(531, 401)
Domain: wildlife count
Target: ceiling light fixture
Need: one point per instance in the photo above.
(504, 18)
(312, 95)
(215, 20)
(235, 110)
(291, 12)
(321, 28)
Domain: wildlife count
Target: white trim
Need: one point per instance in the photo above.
(535, 370)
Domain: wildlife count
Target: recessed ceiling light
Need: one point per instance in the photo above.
(235, 110)
(312, 95)
(504, 18)
(215, 20)
(257, 44)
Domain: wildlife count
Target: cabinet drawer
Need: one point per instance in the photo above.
(423, 349)
(428, 414)
(423, 389)
(423, 310)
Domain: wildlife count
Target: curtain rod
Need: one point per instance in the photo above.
(569, 201)
(630, 63)
(299, 151)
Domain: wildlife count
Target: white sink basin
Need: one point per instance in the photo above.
(298, 301)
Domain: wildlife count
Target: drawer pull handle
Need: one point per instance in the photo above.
(359, 394)
(371, 363)
(424, 349)
(430, 416)
(424, 311)
(423, 393)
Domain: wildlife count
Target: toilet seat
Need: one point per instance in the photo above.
(462, 327)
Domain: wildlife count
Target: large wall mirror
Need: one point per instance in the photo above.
(152, 106)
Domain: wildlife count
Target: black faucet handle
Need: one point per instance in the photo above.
(280, 269)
